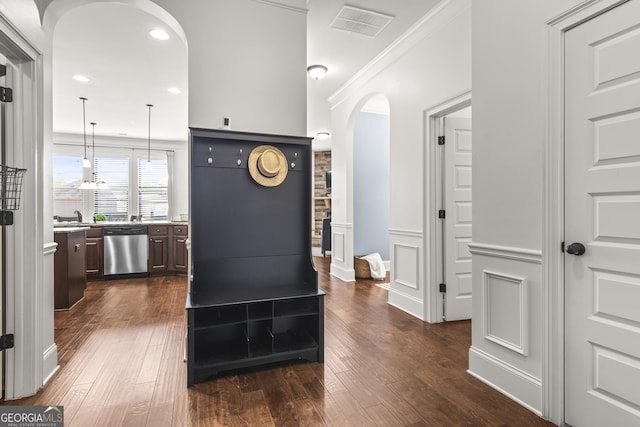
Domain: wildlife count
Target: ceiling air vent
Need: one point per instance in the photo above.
(361, 21)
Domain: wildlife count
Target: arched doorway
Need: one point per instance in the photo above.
(371, 177)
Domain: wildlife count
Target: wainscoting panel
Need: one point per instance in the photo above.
(406, 263)
(505, 311)
(406, 290)
(342, 251)
(508, 350)
(338, 247)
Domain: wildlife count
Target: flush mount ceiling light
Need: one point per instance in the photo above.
(323, 135)
(85, 160)
(174, 90)
(159, 34)
(316, 72)
(149, 165)
(81, 78)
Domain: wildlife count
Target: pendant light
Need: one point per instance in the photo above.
(85, 160)
(149, 165)
(100, 185)
(93, 184)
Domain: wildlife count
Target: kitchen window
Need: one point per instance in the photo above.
(132, 188)
(67, 177)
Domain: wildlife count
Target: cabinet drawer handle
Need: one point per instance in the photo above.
(77, 247)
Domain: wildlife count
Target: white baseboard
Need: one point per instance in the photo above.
(508, 380)
(49, 363)
(344, 274)
(406, 303)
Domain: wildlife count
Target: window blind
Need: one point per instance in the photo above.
(114, 201)
(67, 177)
(153, 191)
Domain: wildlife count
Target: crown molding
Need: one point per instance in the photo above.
(437, 18)
(294, 5)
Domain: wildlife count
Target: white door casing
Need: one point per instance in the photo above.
(457, 223)
(602, 211)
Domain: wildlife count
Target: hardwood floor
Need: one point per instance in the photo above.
(121, 364)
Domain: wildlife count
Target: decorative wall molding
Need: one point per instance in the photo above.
(49, 248)
(295, 5)
(337, 241)
(405, 302)
(344, 274)
(405, 232)
(527, 388)
(345, 225)
(490, 283)
(507, 252)
(405, 278)
(50, 362)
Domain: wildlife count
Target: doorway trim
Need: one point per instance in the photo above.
(553, 373)
(25, 365)
(433, 301)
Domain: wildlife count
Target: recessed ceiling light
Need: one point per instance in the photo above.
(174, 90)
(159, 34)
(81, 78)
(123, 134)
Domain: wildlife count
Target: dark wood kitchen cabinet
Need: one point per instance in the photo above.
(159, 249)
(70, 272)
(179, 254)
(95, 253)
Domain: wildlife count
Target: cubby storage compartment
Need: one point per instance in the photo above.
(297, 307)
(253, 298)
(222, 344)
(260, 338)
(220, 315)
(261, 310)
(233, 336)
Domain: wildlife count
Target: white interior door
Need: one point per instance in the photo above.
(457, 222)
(602, 212)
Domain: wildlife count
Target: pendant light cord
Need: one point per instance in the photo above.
(149, 136)
(93, 139)
(84, 127)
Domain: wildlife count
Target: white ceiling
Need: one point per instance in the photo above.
(109, 43)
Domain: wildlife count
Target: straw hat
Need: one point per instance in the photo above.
(268, 165)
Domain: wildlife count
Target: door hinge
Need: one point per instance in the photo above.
(562, 247)
(6, 342)
(6, 94)
(443, 287)
(3, 70)
(441, 140)
(441, 214)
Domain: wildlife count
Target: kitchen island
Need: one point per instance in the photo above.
(70, 278)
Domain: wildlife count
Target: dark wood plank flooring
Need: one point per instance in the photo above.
(121, 356)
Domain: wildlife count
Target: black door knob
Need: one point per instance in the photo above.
(576, 249)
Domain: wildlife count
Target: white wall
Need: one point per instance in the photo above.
(247, 61)
(371, 184)
(427, 66)
(511, 86)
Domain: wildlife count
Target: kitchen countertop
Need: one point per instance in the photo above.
(57, 225)
(70, 229)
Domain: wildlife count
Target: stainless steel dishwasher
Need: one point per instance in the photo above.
(126, 250)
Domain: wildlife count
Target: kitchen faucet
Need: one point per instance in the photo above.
(79, 215)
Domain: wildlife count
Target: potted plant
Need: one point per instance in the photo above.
(99, 217)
